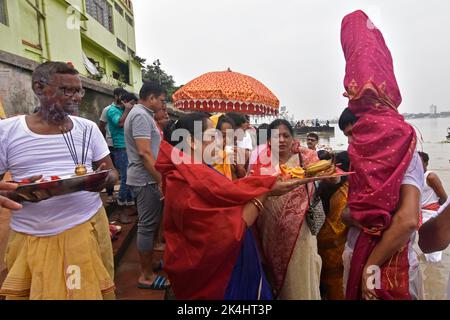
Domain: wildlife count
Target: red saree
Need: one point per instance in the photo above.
(203, 224)
(380, 154)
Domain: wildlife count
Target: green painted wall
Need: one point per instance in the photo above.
(110, 63)
(131, 37)
(11, 34)
(120, 28)
(102, 36)
(59, 40)
(64, 39)
(136, 78)
(32, 54)
(28, 23)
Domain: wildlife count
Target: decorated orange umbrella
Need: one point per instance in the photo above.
(225, 92)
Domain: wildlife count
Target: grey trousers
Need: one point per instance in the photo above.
(149, 207)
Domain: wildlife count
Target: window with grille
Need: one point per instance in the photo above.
(121, 45)
(101, 11)
(129, 19)
(116, 75)
(118, 8)
(3, 13)
(129, 4)
(131, 52)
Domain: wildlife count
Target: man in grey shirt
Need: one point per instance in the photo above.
(143, 139)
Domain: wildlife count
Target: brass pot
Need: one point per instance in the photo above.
(80, 170)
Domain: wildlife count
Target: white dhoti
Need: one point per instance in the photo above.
(415, 275)
(434, 257)
(448, 290)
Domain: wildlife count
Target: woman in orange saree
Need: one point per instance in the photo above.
(333, 235)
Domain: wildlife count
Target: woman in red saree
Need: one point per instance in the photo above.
(290, 250)
(382, 148)
(210, 251)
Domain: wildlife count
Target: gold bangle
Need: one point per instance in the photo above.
(258, 204)
(252, 201)
(261, 205)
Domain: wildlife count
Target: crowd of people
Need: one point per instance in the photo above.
(311, 123)
(129, 124)
(234, 228)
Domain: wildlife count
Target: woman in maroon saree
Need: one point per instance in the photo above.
(288, 245)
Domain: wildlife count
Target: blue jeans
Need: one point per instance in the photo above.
(121, 163)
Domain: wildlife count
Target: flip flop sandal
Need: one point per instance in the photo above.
(158, 284)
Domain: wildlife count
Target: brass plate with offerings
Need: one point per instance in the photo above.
(321, 170)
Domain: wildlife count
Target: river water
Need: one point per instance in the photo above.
(431, 135)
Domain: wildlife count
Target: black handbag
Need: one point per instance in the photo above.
(315, 214)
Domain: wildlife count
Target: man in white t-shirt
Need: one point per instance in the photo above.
(247, 142)
(242, 127)
(65, 249)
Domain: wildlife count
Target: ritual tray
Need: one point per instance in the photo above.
(64, 185)
(336, 175)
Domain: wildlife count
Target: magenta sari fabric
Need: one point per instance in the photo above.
(382, 149)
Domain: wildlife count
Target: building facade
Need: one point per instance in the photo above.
(97, 36)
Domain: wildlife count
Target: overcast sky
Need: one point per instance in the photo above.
(293, 46)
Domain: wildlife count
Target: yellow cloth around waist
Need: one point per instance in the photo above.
(74, 265)
(2, 111)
